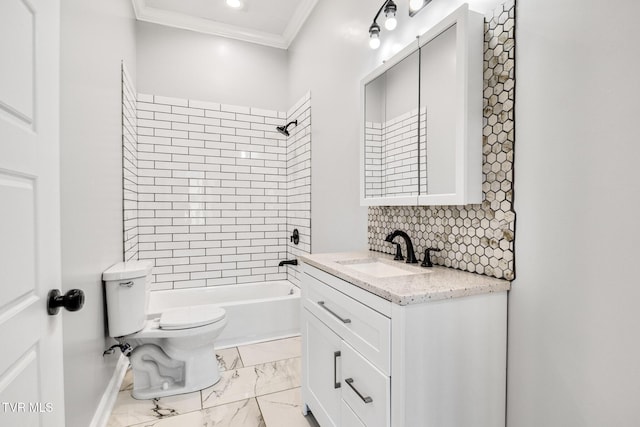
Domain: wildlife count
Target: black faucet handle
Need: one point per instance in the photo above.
(426, 262)
(398, 256)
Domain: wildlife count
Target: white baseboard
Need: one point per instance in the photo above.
(101, 416)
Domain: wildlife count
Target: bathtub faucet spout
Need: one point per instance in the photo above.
(288, 262)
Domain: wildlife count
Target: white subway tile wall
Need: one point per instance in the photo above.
(299, 183)
(129, 167)
(400, 154)
(392, 155)
(374, 186)
(218, 191)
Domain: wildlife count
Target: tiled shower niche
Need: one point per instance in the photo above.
(475, 238)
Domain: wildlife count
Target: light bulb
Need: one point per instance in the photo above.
(391, 23)
(374, 41)
(415, 4)
(234, 3)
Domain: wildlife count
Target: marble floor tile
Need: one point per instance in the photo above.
(244, 413)
(234, 385)
(236, 401)
(284, 408)
(127, 382)
(278, 376)
(129, 411)
(228, 359)
(191, 419)
(252, 381)
(270, 351)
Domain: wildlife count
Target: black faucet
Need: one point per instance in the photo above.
(411, 256)
(427, 257)
(288, 262)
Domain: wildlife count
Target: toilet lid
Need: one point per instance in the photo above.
(190, 317)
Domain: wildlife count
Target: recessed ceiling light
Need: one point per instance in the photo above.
(236, 4)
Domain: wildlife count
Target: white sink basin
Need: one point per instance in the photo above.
(377, 268)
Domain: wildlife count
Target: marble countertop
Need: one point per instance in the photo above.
(427, 284)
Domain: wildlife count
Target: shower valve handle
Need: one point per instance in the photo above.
(295, 237)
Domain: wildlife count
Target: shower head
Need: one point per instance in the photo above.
(285, 129)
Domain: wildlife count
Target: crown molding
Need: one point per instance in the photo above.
(298, 19)
(187, 22)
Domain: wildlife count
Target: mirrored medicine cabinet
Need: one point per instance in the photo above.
(421, 133)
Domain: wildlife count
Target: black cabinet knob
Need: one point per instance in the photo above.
(73, 300)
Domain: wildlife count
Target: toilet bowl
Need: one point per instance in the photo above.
(173, 353)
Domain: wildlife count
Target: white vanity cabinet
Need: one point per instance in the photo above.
(370, 362)
(346, 357)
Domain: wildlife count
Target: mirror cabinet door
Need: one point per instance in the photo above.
(374, 120)
(422, 139)
(438, 114)
(391, 132)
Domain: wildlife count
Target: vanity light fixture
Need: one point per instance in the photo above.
(374, 36)
(390, 9)
(416, 6)
(236, 4)
(390, 23)
(390, 14)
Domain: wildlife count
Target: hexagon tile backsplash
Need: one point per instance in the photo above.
(475, 238)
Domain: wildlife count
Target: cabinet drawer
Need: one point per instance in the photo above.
(365, 389)
(348, 418)
(365, 329)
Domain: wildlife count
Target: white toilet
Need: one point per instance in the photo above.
(173, 353)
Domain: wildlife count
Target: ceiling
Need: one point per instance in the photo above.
(268, 22)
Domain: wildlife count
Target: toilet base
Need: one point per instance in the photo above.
(158, 392)
(156, 375)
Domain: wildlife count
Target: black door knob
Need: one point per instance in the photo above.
(73, 300)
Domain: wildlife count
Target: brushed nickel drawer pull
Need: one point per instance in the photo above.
(336, 354)
(321, 304)
(365, 399)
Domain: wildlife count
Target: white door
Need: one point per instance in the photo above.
(31, 381)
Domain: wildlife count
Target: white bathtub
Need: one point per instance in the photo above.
(255, 311)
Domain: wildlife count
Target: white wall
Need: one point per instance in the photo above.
(573, 311)
(95, 37)
(330, 56)
(186, 64)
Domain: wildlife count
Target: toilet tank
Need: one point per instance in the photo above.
(127, 287)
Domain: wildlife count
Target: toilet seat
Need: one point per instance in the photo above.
(190, 317)
(215, 320)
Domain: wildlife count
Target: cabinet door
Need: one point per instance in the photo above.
(321, 370)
